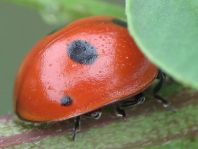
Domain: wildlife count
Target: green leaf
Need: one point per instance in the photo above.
(167, 33)
(59, 11)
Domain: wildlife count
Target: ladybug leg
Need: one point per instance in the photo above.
(166, 104)
(95, 114)
(76, 127)
(138, 99)
(119, 111)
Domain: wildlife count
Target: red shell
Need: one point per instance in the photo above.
(48, 73)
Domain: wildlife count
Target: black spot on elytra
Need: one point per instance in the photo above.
(82, 52)
(119, 22)
(66, 101)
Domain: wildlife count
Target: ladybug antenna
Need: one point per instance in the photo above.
(76, 127)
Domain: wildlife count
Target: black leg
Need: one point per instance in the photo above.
(120, 112)
(76, 127)
(95, 114)
(157, 88)
(138, 99)
(161, 77)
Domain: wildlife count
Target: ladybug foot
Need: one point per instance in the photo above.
(120, 112)
(95, 115)
(170, 107)
(166, 104)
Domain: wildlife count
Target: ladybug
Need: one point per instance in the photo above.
(81, 68)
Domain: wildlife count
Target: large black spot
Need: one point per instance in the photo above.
(119, 22)
(66, 100)
(82, 52)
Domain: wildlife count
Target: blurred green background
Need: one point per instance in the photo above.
(20, 28)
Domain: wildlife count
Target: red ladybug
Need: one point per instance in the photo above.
(84, 66)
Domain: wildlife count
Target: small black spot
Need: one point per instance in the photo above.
(119, 22)
(82, 52)
(66, 101)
